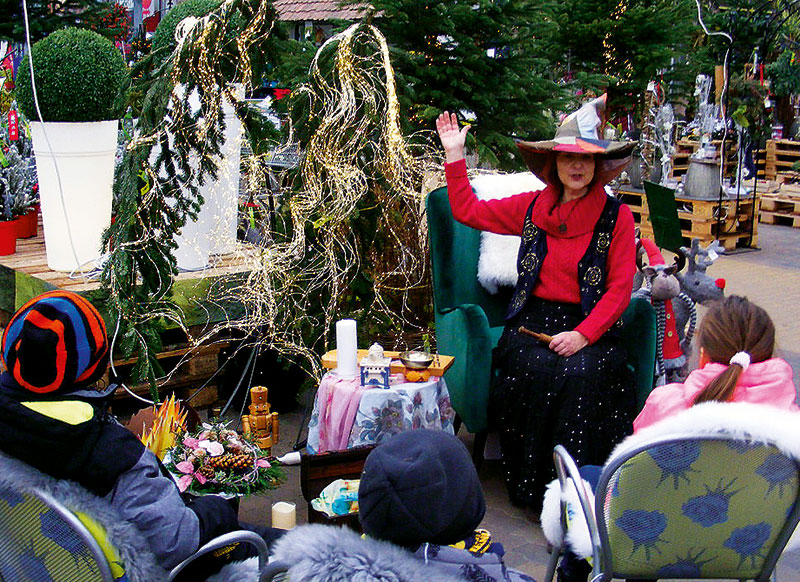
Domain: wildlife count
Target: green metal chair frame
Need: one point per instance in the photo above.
(82, 558)
(605, 541)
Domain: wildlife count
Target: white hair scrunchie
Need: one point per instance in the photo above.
(741, 358)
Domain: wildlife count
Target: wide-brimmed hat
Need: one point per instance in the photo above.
(578, 134)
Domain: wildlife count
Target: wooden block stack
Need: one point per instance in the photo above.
(781, 156)
(699, 219)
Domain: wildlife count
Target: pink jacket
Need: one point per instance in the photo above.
(768, 382)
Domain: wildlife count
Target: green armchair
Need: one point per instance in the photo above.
(469, 320)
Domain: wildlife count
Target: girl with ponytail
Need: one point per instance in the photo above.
(736, 364)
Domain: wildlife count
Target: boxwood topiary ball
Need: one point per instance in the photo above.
(80, 76)
(164, 36)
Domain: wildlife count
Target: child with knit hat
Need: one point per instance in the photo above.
(54, 419)
(420, 490)
(420, 504)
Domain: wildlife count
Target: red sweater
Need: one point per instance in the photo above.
(558, 277)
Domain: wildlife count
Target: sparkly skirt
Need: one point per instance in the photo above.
(585, 402)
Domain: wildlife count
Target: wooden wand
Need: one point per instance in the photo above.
(542, 337)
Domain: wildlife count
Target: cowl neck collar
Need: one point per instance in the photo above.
(579, 215)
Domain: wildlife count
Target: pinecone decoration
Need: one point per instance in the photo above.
(207, 471)
(242, 461)
(229, 461)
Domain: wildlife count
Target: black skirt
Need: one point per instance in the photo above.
(585, 402)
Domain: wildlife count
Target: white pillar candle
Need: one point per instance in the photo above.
(346, 348)
(283, 515)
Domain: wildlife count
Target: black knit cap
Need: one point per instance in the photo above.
(420, 486)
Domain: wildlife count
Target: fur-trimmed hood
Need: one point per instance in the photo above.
(756, 422)
(323, 553)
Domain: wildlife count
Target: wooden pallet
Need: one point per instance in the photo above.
(780, 219)
(188, 369)
(25, 275)
(782, 211)
(780, 205)
(781, 154)
(684, 148)
(31, 259)
(698, 219)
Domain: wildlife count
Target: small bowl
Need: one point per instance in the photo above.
(416, 360)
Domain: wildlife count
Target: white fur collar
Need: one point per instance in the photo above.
(497, 265)
(757, 422)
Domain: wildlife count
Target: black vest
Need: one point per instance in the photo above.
(591, 268)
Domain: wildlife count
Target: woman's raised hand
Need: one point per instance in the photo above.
(451, 136)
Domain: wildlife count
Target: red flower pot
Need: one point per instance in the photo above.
(28, 224)
(8, 237)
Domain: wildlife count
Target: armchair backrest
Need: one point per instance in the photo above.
(639, 340)
(40, 539)
(454, 250)
(697, 506)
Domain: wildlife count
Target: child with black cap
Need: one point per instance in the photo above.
(418, 490)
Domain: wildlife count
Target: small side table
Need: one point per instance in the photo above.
(347, 415)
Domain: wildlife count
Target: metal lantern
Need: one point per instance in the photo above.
(375, 368)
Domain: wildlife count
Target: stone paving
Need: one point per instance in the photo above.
(769, 276)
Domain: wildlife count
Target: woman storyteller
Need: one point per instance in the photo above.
(575, 265)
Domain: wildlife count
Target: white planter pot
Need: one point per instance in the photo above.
(193, 245)
(77, 208)
(221, 196)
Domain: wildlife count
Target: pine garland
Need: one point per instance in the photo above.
(157, 186)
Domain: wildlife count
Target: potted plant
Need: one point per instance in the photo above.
(81, 83)
(17, 189)
(214, 230)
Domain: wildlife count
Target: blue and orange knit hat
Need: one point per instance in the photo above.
(55, 342)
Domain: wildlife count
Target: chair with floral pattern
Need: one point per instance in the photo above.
(710, 493)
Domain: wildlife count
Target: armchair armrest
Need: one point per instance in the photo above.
(464, 333)
(224, 540)
(273, 571)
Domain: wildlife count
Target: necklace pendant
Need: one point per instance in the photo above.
(562, 228)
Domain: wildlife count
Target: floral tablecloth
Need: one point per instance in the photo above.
(380, 412)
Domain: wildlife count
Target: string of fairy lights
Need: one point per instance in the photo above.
(357, 158)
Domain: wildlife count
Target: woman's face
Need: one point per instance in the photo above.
(575, 171)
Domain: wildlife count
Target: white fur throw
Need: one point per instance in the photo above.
(755, 422)
(497, 265)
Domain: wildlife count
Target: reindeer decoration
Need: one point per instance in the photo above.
(660, 286)
(696, 283)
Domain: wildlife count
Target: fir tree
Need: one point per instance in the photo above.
(481, 58)
(621, 45)
(46, 16)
